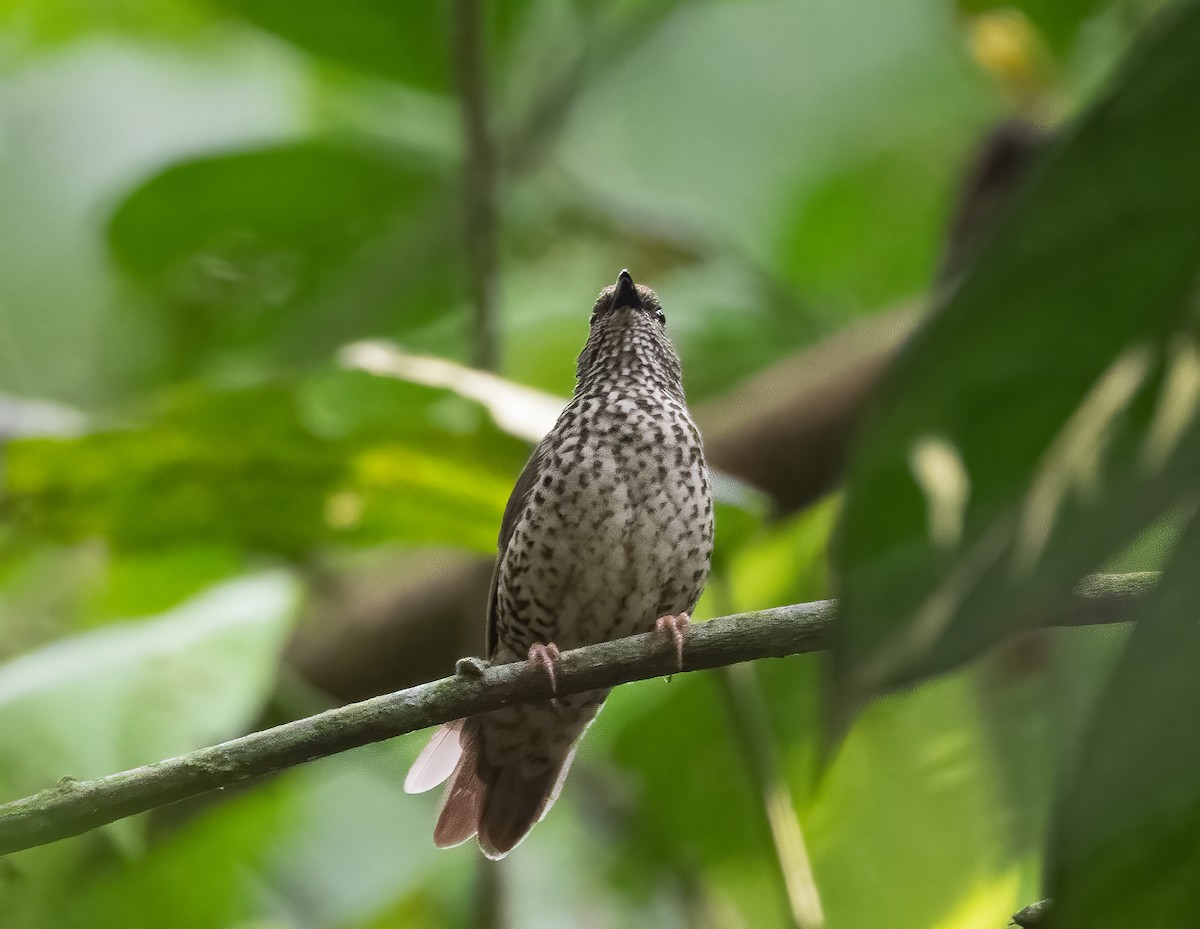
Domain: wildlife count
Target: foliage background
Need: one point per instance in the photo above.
(205, 203)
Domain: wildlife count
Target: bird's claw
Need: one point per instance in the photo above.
(471, 666)
(547, 656)
(672, 627)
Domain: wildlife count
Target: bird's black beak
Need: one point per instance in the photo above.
(626, 294)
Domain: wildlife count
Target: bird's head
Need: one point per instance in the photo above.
(628, 339)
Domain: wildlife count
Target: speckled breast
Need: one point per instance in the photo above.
(618, 530)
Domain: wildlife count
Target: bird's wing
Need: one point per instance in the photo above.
(512, 513)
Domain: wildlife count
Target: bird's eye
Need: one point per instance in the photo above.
(660, 316)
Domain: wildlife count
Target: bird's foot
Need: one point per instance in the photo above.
(547, 656)
(672, 627)
(471, 667)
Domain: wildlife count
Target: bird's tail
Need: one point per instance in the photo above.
(498, 804)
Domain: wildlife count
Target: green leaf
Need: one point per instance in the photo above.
(661, 835)
(405, 42)
(212, 872)
(1042, 417)
(842, 242)
(32, 24)
(915, 768)
(260, 246)
(1059, 21)
(738, 515)
(136, 692)
(281, 468)
(307, 199)
(1125, 846)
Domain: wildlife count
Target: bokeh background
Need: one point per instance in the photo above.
(251, 251)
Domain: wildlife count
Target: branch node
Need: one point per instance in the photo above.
(471, 667)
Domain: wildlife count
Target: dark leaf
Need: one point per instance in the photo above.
(258, 246)
(1045, 415)
(405, 42)
(1125, 844)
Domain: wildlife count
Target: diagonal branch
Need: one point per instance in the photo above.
(72, 807)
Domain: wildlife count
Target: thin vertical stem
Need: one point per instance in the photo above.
(750, 721)
(489, 894)
(480, 231)
(749, 713)
(479, 181)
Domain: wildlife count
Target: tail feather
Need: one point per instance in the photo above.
(498, 803)
(458, 818)
(513, 804)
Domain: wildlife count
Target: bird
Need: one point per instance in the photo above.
(608, 533)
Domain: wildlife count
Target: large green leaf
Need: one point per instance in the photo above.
(130, 694)
(407, 42)
(342, 457)
(134, 692)
(213, 872)
(299, 246)
(1042, 417)
(311, 200)
(1125, 847)
(261, 851)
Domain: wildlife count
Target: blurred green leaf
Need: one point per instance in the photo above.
(1059, 21)
(138, 583)
(214, 872)
(916, 766)
(54, 22)
(1125, 846)
(905, 830)
(417, 910)
(869, 233)
(1035, 694)
(355, 802)
(675, 745)
(136, 692)
(342, 457)
(1041, 419)
(739, 512)
(819, 87)
(784, 563)
(311, 200)
(255, 247)
(409, 42)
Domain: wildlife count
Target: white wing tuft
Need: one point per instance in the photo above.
(437, 761)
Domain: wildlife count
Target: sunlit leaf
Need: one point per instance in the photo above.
(342, 457)
(39, 23)
(1058, 21)
(1046, 414)
(915, 766)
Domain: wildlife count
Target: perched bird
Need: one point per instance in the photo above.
(608, 533)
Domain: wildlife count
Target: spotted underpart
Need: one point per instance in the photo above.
(609, 527)
(615, 528)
